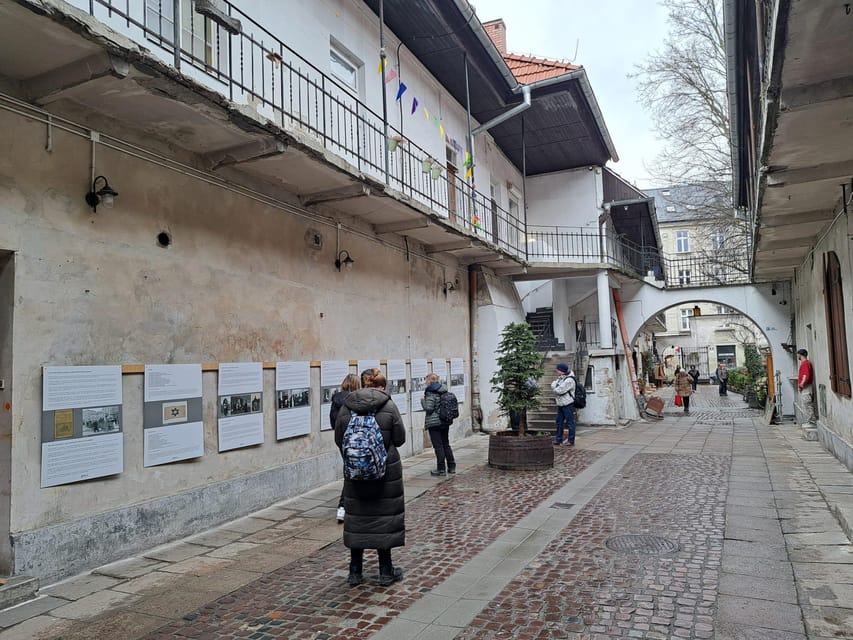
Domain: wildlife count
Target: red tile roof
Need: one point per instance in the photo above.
(528, 69)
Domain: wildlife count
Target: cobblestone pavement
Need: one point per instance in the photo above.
(578, 587)
(711, 525)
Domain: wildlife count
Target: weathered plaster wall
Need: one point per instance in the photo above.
(497, 306)
(811, 330)
(566, 198)
(239, 283)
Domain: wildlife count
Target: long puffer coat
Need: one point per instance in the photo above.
(375, 509)
(683, 384)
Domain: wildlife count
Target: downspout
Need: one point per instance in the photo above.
(382, 61)
(476, 407)
(525, 92)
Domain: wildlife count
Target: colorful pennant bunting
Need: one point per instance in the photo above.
(414, 105)
(401, 90)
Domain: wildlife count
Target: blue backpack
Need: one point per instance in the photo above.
(363, 449)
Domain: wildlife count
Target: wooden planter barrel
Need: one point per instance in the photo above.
(529, 453)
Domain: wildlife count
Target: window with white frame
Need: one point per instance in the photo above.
(718, 239)
(344, 66)
(723, 309)
(682, 242)
(206, 44)
(683, 276)
(686, 314)
(720, 273)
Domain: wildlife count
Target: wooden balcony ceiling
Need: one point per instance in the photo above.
(810, 153)
(563, 130)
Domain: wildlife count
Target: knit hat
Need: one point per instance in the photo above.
(563, 367)
(803, 352)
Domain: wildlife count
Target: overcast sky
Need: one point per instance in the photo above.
(610, 36)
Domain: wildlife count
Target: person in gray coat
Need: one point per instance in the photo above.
(439, 432)
(375, 509)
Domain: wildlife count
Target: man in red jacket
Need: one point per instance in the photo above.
(805, 383)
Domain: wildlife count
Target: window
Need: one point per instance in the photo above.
(665, 192)
(682, 242)
(204, 41)
(726, 354)
(718, 239)
(724, 310)
(839, 367)
(720, 274)
(343, 67)
(683, 276)
(686, 314)
(670, 208)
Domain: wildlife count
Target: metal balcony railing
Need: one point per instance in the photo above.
(581, 245)
(710, 269)
(252, 66)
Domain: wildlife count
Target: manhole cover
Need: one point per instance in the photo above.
(646, 544)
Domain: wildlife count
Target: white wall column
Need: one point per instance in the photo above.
(604, 315)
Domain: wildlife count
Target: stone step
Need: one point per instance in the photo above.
(17, 589)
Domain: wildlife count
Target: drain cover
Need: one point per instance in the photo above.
(562, 505)
(650, 545)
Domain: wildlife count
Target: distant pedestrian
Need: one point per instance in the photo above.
(375, 509)
(564, 389)
(351, 383)
(723, 378)
(439, 432)
(660, 375)
(805, 384)
(683, 388)
(694, 376)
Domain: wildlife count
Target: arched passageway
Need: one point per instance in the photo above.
(756, 302)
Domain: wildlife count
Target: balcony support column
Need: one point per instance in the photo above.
(604, 314)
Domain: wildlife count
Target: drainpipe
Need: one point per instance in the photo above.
(382, 60)
(473, 364)
(525, 92)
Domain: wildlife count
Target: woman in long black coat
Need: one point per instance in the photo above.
(375, 509)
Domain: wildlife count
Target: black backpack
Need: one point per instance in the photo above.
(579, 396)
(448, 407)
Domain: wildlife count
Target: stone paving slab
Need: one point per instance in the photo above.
(752, 612)
(779, 590)
(80, 586)
(26, 610)
(832, 622)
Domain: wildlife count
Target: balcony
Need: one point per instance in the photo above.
(242, 107)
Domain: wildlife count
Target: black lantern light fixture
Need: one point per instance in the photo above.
(104, 196)
(697, 311)
(344, 259)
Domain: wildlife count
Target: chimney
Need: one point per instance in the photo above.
(497, 32)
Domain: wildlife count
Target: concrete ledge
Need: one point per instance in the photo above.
(836, 445)
(67, 549)
(17, 589)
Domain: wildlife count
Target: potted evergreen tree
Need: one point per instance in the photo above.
(514, 382)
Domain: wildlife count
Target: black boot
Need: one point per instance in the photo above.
(388, 573)
(356, 577)
(438, 472)
(451, 467)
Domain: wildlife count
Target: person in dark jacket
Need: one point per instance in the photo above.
(351, 383)
(439, 432)
(375, 509)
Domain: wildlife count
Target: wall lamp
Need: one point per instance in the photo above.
(448, 286)
(344, 260)
(105, 195)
